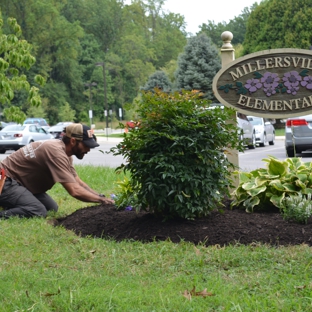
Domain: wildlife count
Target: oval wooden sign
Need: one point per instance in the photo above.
(272, 83)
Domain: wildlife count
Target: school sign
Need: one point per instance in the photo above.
(272, 83)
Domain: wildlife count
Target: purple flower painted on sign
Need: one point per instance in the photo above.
(270, 83)
(269, 90)
(307, 82)
(270, 80)
(253, 85)
(292, 79)
(292, 89)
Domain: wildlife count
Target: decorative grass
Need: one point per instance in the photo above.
(47, 268)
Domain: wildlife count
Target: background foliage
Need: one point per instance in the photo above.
(68, 37)
(279, 24)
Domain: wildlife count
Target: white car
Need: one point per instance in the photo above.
(248, 130)
(265, 132)
(13, 137)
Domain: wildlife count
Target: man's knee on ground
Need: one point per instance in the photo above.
(38, 212)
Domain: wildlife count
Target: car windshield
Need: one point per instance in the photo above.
(255, 121)
(13, 128)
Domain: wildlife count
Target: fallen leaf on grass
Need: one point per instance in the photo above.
(197, 251)
(204, 293)
(187, 295)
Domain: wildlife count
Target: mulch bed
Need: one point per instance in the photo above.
(229, 227)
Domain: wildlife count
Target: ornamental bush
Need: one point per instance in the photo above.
(176, 157)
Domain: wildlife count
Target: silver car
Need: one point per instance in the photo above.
(14, 137)
(58, 129)
(265, 132)
(298, 135)
(247, 129)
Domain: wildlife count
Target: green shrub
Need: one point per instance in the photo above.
(267, 188)
(175, 158)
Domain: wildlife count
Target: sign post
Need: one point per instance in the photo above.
(228, 56)
(273, 83)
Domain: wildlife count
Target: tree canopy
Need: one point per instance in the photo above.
(16, 58)
(279, 24)
(69, 37)
(237, 25)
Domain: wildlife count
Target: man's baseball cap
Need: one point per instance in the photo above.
(81, 133)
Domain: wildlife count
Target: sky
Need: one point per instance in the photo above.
(197, 12)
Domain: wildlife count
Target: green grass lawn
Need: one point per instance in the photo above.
(47, 268)
(279, 132)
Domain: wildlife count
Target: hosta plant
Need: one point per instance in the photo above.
(267, 188)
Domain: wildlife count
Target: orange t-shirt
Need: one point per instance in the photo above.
(39, 165)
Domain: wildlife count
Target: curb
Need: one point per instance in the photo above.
(108, 139)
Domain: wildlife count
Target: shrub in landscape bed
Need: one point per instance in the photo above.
(269, 187)
(297, 208)
(176, 157)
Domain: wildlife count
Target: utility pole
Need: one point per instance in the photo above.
(92, 84)
(105, 95)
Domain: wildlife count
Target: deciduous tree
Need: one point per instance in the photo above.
(16, 58)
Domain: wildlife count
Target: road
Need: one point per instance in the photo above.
(250, 159)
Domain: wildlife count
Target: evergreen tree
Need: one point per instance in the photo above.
(158, 80)
(197, 65)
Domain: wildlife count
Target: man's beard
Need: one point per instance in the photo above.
(77, 152)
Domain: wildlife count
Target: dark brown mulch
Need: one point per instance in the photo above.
(232, 226)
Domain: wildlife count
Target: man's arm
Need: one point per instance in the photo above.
(85, 194)
(85, 185)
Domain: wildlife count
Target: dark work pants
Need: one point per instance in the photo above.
(18, 201)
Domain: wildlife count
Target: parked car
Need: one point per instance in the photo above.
(248, 131)
(265, 132)
(3, 124)
(298, 135)
(58, 129)
(37, 121)
(13, 137)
